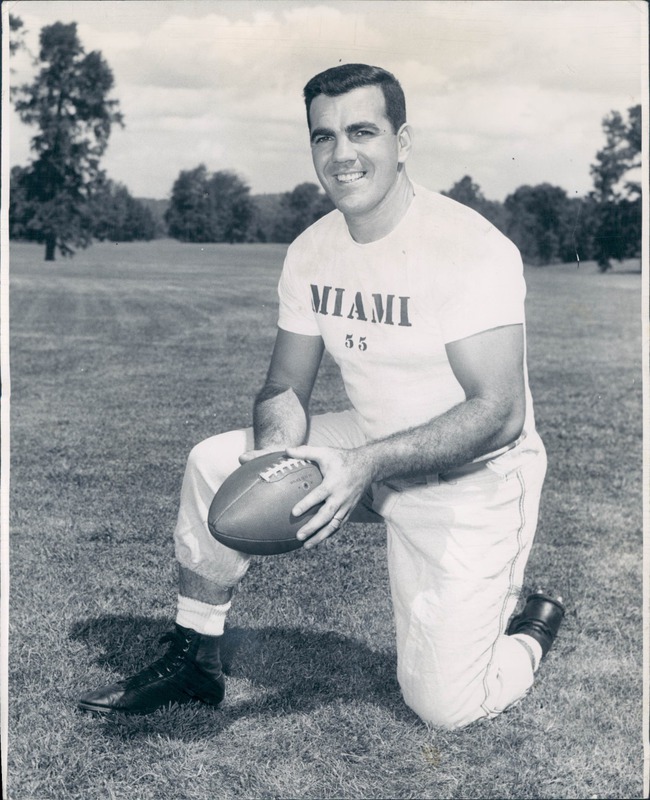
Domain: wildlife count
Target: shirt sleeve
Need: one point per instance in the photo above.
(484, 289)
(294, 291)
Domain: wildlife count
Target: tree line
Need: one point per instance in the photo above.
(64, 199)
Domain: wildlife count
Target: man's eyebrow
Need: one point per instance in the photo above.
(321, 132)
(358, 126)
(352, 128)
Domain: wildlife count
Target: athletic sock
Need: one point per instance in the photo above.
(532, 646)
(201, 617)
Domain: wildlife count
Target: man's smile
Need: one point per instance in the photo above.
(349, 177)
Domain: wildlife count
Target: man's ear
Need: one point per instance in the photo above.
(404, 142)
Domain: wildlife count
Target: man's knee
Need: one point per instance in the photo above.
(208, 464)
(479, 693)
(203, 455)
(218, 456)
(446, 710)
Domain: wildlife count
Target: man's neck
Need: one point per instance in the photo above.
(384, 217)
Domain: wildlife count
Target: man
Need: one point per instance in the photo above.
(421, 303)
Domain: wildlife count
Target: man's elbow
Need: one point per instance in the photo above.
(512, 418)
(271, 390)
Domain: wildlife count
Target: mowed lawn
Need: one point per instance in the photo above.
(126, 356)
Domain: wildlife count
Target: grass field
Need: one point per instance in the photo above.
(125, 357)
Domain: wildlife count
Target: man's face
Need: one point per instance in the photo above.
(356, 154)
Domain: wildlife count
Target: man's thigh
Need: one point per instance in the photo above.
(340, 429)
(209, 464)
(456, 555)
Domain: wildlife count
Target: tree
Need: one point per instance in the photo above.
(298, 209)
(68, 101)
(619, 215)
(209, 208)
(539, 222)
(16, 35)
(268, 214)
(119, 217)
(620, 155)
(112, 213)
(188, 215)
(468, 193)
(578, 243)
(231, 207)
(21, 213)
(157, 208)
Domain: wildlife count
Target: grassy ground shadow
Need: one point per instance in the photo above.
(296, 670)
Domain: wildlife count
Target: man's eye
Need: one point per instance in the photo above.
(360, 134)
(321, 139)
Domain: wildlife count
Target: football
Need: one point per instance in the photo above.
(251, 511)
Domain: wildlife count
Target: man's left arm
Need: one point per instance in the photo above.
(490, 368)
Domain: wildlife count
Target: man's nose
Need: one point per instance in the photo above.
(344, 150)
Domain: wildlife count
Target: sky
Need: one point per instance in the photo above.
(510, 93)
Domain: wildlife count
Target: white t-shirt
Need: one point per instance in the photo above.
(386, 309)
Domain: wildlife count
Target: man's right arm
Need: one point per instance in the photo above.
(281, 410)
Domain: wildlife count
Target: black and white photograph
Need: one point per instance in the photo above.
(324, 361)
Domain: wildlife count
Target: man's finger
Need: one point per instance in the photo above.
(316, 539)
(314, 498)
(306, 452)
(325, 520)
(318, 522)
(323, 534)
(249, 455)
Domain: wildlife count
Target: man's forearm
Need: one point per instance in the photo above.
(465, 432)
(279, 418)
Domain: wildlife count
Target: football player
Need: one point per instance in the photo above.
(420, 301)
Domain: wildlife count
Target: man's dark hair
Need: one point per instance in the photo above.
(345, 78)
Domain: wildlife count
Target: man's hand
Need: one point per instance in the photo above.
(346, 476)
(249, 455)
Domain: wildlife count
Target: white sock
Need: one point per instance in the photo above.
(533, 647)
(201, 617)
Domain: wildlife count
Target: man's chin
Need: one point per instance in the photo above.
(339, 191)
(349, 204)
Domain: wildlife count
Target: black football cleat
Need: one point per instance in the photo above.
(189, 670)
(540, 619)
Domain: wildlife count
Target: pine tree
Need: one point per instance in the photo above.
(68, 102)
(618, 213)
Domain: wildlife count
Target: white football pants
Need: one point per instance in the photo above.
(457, 548)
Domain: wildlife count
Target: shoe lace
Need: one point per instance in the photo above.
(168, 663)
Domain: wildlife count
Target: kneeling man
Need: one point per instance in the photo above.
(420, 301)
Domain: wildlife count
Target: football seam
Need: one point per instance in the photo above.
(295, 466)
(228, 507)
(235, 539)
